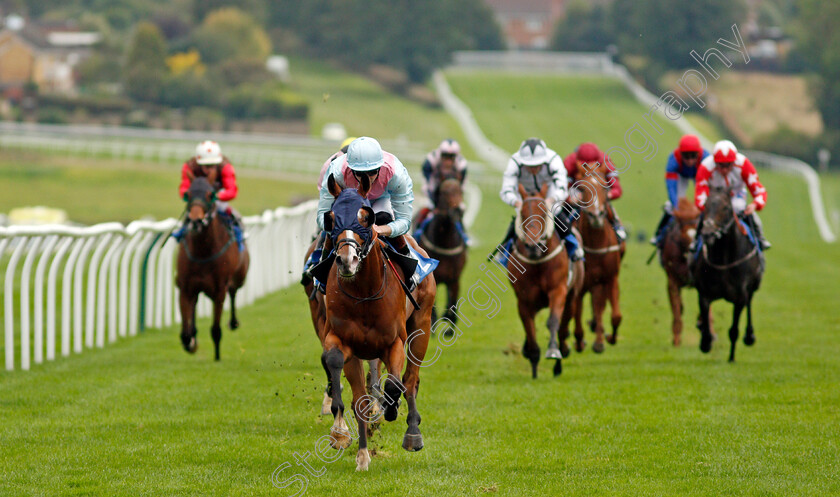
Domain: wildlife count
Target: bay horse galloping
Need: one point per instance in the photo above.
(603, 259)
(443, 239)
(538, 268)
(729, 266)
(369, 317)
(209, 261)
(674, 257)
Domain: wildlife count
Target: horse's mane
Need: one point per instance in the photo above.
(686, 210)
(199, 187)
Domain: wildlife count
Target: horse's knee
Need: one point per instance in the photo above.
(333, 359)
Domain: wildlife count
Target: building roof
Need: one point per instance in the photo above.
(551, 8)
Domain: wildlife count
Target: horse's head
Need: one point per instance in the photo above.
(719, 216)
(591, 195)
(350, 223)
(686, 214)
(201, 201)
(450, 198)
(534, 223)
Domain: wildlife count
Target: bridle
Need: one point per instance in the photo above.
(204, 222)
(363, 250)
(548, 230)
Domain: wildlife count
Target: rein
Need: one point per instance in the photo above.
(554, 253)
(376, 296)
(606, 250)
(206, 220)
(440, 250)
(731, 264)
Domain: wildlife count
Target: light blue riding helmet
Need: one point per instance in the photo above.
(364, 154)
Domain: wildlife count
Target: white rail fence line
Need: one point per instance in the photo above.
(117, 280)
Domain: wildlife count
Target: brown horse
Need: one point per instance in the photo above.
(368, 317)
(318, 313)
(603, 259)
(443, 241)
(539, 271)
(209, 261)
(674, 259)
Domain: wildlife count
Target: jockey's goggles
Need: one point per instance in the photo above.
(689, 155)
(370, 174)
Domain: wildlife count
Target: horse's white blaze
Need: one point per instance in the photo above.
(362, 460)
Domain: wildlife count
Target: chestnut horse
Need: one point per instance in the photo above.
(368, 317)
(603, 259)
(317, 311)
(209, 261)
(539, 271)
(673, 257)
(729, 266)
(444, 242)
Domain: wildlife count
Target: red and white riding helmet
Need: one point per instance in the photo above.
(208, 153)
(450, 147)
(725, 152)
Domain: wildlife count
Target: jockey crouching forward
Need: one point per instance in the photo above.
(533, 166)
(391, 194)
(588, 155)
(727, 168)
(679, 172)
(442, 163)
(209, 162)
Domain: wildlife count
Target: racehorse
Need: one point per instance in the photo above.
(538, 268)
(673, 257)
(603, 259)
(368, 317)
(729, 266)
(317, 311)
(209, 261)
(444, 241)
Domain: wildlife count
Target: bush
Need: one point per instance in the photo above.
(272, 101)
(52, 115)
(188, 90)
(92, 105)
(236, 72)
(204, 119)
(785, 141)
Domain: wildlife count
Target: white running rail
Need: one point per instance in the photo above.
(116, 280)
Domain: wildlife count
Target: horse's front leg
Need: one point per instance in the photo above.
(580, 342)
(599, 303)
(418, 343)
(394, 360)
(557, 304)
(355, 373)
(332, 359)
(704, 325)
(187, 301)
(453, 288)
(733, 330)
(216, 330)
(749, 335)
(615, 311)
(676, 310)
(530, 349)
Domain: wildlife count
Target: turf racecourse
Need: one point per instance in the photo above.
(141, 417)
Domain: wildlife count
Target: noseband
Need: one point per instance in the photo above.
(362, 249)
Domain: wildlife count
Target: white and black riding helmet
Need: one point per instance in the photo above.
(532, 152)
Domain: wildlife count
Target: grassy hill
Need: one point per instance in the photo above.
(144, 418)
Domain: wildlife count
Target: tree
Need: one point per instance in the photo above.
(667, 31)
(231, 33)
(145, 63)
(820, 42)
(584, 29)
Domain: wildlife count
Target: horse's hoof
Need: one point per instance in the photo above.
(391, 411)
(234, 324)
(553, 353)
(564, 350)
(580, 345)
(677, 341)
(558, 368)
(611, 339)
(412, 442)
(193, 346)
(448, 333)
(362, 460)
(591, 325)
(598, 347)
(339, 440)
(705, 344)
(749, 340)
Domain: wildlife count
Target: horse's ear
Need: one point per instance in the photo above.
(366, 216)
(333, 186)
(522, 192)
(328, 220)
(544, 190)
(364, 185)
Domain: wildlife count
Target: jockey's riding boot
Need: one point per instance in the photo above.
(660, 229)
(755, 225)
(314, 259)
(179, 233)
(620, 233)
(400, 245)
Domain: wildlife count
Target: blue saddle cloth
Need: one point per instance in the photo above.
(425, 265)
(458, 226)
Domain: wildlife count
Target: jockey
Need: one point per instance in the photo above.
(391, 195)
(535, 165)
(446, 158)
(679, 172)
(728, 168)
(208, 156)
(588, 153)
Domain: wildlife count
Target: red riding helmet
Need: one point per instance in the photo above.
(725, 151)
(690, 143)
